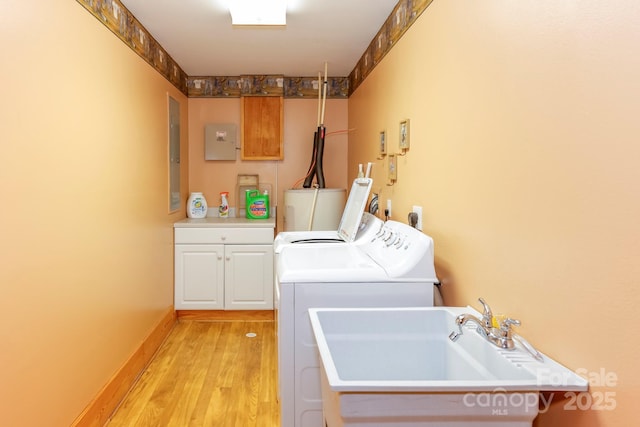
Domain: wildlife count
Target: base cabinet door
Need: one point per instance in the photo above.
(199, 277)
(248, 277)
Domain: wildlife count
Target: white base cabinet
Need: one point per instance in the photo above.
(223, 268)
(199, 277)
(248, 277)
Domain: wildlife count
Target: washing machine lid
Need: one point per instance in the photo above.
(327, 264)
(286, 238)
(370, 225)
(354, 208)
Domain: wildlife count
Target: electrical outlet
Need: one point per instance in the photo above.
(418, 211)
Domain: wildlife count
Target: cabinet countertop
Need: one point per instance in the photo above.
(231, 222)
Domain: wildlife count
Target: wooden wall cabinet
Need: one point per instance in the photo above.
(262, 128)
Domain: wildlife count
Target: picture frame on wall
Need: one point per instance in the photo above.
(392, 171)
(383, 143)
(404, 135)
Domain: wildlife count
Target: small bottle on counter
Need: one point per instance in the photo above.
(196, 205)
(224, 205)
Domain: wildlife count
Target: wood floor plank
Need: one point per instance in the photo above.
(209, 391)
(137, 403)
(207, 373)
(187, 379)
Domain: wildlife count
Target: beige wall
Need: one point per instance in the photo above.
(85, 236)
(524, 151)
(300, 122)
(524, 154)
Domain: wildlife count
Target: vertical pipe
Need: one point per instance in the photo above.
(324, 96)
(321, 134)
(319, 96)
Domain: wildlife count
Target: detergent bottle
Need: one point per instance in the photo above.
(224, 204)
(196, 205)
(257, 205)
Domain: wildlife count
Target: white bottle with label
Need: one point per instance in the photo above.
(196, 205)
(223, 210)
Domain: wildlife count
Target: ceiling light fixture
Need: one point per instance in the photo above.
(258, 12)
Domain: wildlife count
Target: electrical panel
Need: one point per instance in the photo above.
(220, 141)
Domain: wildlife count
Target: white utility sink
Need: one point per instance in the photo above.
(384, 366)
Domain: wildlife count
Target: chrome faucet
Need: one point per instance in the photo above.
(502, 336)
(487, 315)
(463, 319)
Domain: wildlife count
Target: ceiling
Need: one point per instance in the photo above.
(199, 37)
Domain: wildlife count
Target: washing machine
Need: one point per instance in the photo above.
(394, 268)
(356, 226)
(354, 223)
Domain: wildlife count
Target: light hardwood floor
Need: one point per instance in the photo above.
(207, 373)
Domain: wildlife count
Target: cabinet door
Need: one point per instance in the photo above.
(261, 129)
(199, 277)
(248, 277)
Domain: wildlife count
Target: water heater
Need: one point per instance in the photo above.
(313, 209)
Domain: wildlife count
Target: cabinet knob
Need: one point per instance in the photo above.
(219, 256)
(223, 238)
(228, 258)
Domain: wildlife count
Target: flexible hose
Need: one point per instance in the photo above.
(313, 208)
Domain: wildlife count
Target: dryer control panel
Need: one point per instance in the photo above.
(403, 251)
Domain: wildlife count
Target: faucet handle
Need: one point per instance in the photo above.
(505, 326)
(504, 337)
(487, 315)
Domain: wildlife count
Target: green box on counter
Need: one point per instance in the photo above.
(257, 206)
